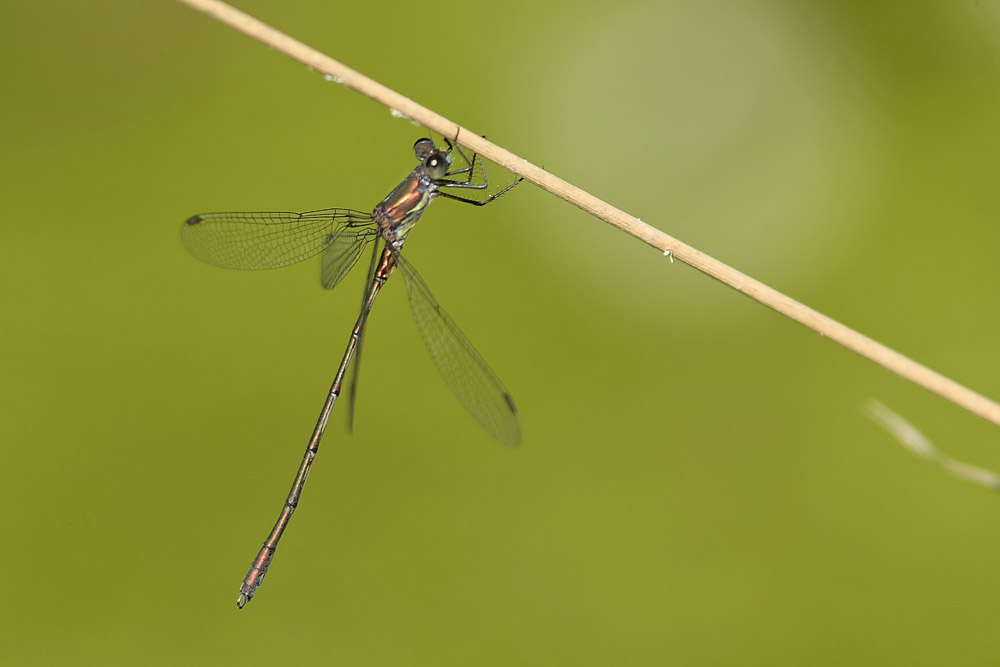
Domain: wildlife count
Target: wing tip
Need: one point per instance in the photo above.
(513, 443)
(513, 438)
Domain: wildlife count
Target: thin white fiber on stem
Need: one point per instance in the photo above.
(908, 436)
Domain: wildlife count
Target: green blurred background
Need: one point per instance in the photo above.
(698, 483)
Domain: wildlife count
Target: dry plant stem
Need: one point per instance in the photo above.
(852, 340)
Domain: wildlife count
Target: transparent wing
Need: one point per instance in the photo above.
(342, 253)
(463, 369)
(267, 240)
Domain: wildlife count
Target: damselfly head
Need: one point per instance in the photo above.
(435, 160)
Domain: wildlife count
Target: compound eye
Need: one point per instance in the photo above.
(436, 165)
(424, 148)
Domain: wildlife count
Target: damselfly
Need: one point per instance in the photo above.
(269, 240)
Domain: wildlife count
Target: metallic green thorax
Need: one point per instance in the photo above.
(401, 208)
